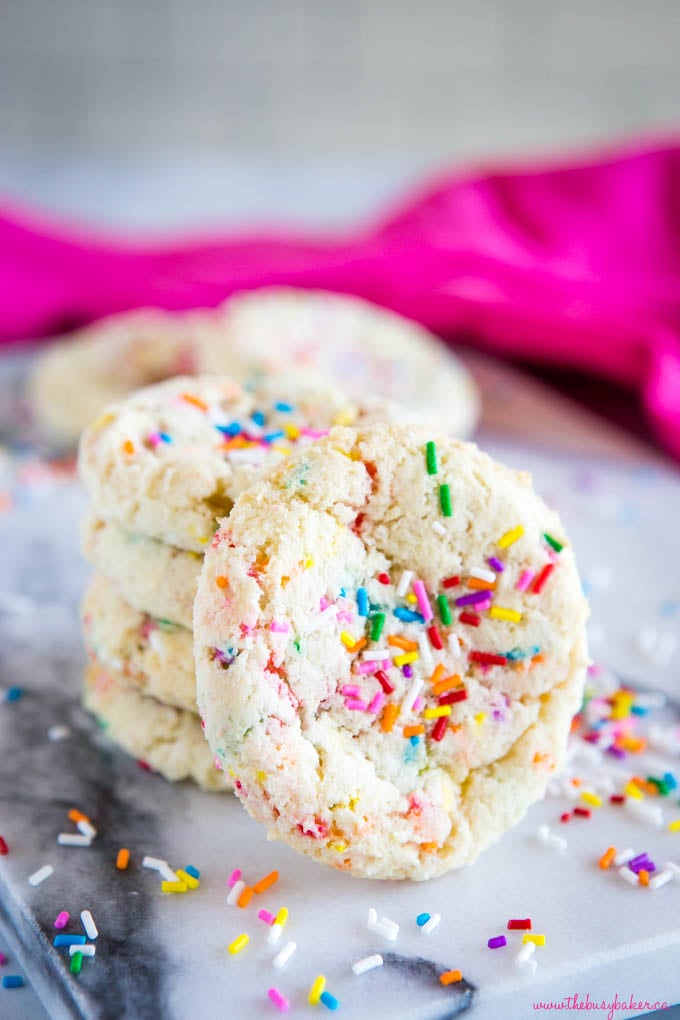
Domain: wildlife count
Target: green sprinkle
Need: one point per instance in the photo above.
(296, 643)
(378, 624)
(444, 609)
(431, 458)
(76, 963)
(557, 546)
(445, 500)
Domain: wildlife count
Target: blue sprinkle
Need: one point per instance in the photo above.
(415, 740)
(281, 405)
(343, 593)
(69, 940)
(422, 919)
(13, 693)
(229, 430)
(271, 437)
(191, 870)
(669, 608)
(670, 780)
(258, 417)
(639, 710)
(408, 615)
(12, 981)
(362, 602)
(165, 437)
(514, 654)
(329, 1001)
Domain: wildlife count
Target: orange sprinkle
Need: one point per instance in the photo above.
(538, 658)
(640, 783)
(479, 585)
(358, 645)
(454, 727)
(438, 674)
(266, 882)
(428, 848)
(414, 731)
(246, 896)
(643, 877)
(123, 859)
(284, 580)
(196, 401)
(447, 684)
(235, 443)
(77, 816)
(128, 446)
(400, 642)
(607, 857)
(389, 717)
(221, 581)
(449, 977)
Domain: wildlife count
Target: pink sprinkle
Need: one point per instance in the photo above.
(314, 433)
(279, 1000)
(217, 763)
(345, 616)
(279, 628)
(61, 919)
(155, 439)
(377, 702)
(3, 959)
(265, 916)
(235, 877)
(369, 666)
(481, 607)
(351, 690)
(324, 603)
(386, 663)
(525, 580)
(355, 705)
(423, 601)
(418, 704)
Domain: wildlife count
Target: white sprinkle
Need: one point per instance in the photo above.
(424, 649)
(624, 856)
(675, 868)
(628, 876)
(438, 528)
(482, 574)
(411, 695)
(372, 916)
(86, 950)
(525, 953)
(89, 925)
(321, 619)
(249, 455)
(661, 879)
(154, 863)
(274, 934)
(587, 753)
(650, 813)
(368, 963)
(385, 927)
(86, 829)
(56, 733)
(549, 839)
(235, 891)
(73, 839)
(454, 644)
(404, 582)
(39, 876)
(282, 958)
(375, 654)
(431, 924)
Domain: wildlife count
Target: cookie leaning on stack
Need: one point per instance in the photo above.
(161, 468)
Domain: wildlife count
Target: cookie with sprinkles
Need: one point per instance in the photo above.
(390, 648)
(169, 461)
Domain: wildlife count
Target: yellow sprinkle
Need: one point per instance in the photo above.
(285, 450)
(510, 536)
(437, 713)
(188, 879)
(588, 797)
(674, 826)
(411, 598)
(260, 776)
(347, 639)
(480, 717)
(238, 944)
(538, 940)
(406, 659)
(282, 916)
(631, 790)
(339, 846)
(309, 562)
(345, 417)
(500, 613)
(292, 431)
(173, 887)
(316, 990)
(105, 419)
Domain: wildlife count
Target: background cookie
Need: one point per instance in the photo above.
(390, 643)
(168, 739)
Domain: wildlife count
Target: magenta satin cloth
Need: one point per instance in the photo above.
(576, 265)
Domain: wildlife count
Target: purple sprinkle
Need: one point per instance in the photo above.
(474, 597)
(407, 671)
(496, 564)
(3, 959)
(616, 752)
(498, 942)
(640, 859)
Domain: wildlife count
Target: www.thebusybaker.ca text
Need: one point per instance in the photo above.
(609, 1007)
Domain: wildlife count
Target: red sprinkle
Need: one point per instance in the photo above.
(4, 849)
(384, 578)
(617, 798)
(439, 728)
(435, 638)
(451, 582)
(384, 681)
(583, 812)
(566, 817)
(540, 581)
(487, 659)
(517, 924)
(451, 697)
(470, 618)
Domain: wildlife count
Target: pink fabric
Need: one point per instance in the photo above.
(574, 265)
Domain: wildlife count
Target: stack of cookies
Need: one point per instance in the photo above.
(162, 467)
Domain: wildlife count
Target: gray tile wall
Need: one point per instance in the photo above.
(387, 78)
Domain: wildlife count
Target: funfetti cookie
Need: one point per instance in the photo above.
(370, 352)
(390, 645)
(169, 461)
